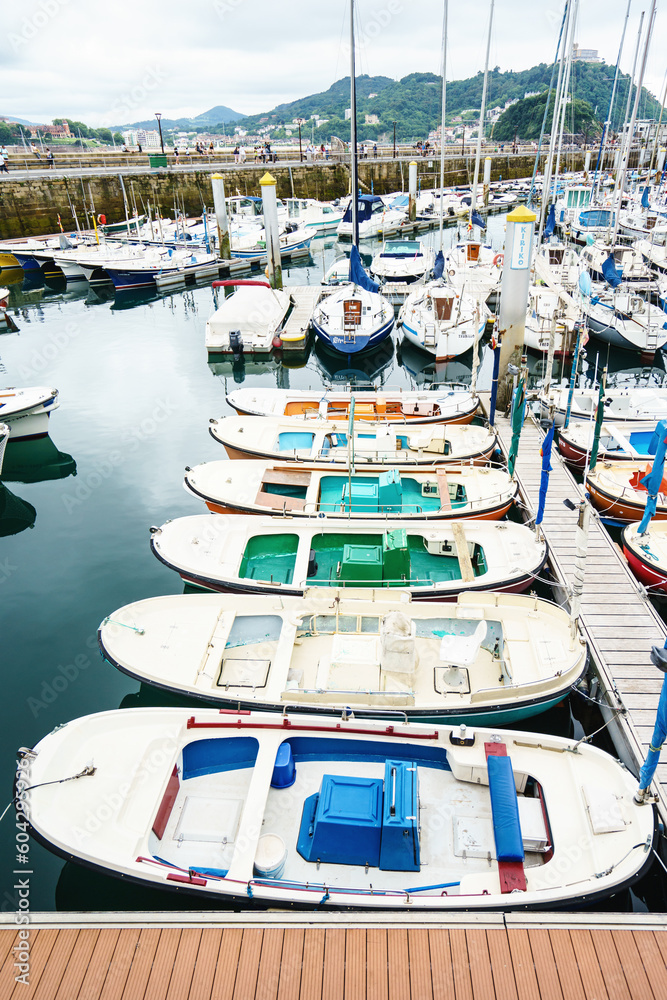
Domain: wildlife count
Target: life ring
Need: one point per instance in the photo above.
(101, 220)
(499, 259)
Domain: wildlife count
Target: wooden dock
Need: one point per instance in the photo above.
(619, 622)
(180, 956)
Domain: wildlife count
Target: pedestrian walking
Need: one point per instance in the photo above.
(49, 158)
(3, 162)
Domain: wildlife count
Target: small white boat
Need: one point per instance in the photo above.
(475, 268)
(621, 403)
(290, 439)
(488, 659)
(316, 217)
(543, 305)
(252, 242)
(247, 320)
(628, 261)
(375, 218)
(444, 403)
(623, 318)
(27, 411)
(326, 813)
(619, 441)
(442, 319)
(647, 554)
(403, 260)
(654, 251)
(436, 561)
(259, 487)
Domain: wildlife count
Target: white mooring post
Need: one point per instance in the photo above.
(270, 209)
(514, 288)
(220, 208)
(412, 191)
(587, 161)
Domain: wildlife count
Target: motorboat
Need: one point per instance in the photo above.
(445, 403)
(27, 411)
(618, 442)
(290, 439)
(402, 261)
(434, 561)
(487, 659)
(316, 217)
(261, 487)
(288, 809)
(375, 218)
(626, 403)
(248, 320)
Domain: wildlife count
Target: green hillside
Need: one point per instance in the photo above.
(414, 101)
(524, 119)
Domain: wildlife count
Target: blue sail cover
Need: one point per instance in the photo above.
(439, 266)
(645, 203)
(612, 277)
(658, 738)
(653, 481)
(551, 222)
(358, 274)
(477, 220)
(546, 469)
(365, 204)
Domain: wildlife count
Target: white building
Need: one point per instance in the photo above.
(130, 137)
(149, 140)
(348, 113)
(585, 55)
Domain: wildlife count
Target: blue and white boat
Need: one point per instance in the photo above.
(294, 809)
(403, 260)
(143, 272)
(374, 218)
(251, 243)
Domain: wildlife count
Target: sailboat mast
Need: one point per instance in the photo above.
(546, 181)
(353, 134)
(478, 154)
(607, 125)
(442, 121)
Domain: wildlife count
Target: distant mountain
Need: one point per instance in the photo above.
(414, 101)
(220, 113)
(21, 121)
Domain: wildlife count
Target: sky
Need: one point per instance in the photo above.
(114, 63)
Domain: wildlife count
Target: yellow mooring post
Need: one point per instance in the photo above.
(514, 289)
(270, 208)
(220, 207)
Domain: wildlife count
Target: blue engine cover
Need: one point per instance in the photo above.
(505, 809)
(399, 851)
(342, 824)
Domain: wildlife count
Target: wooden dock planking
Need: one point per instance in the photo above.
(618, 621)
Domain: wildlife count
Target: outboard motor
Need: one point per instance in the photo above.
(236, 342)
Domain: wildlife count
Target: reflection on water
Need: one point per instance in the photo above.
(360, 370)
(36, 461)
(15, 514)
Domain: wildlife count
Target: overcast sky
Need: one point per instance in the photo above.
(120, 61)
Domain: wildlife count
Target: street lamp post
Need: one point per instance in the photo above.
(300, 122)
(394, 124)
(158, 115)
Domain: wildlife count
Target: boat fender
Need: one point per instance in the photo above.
(102, 219)
(499, 259)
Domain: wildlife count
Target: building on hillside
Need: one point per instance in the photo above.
(372, 119)
(55, 130)
(585, 55)
(149, 140)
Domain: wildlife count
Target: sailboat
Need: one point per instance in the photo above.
(354, 317)
(438, 317)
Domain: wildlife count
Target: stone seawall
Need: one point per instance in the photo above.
(31, 207)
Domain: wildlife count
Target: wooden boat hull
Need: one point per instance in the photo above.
(619, 508)
(646, 572)
(479, 458)
(495, 513)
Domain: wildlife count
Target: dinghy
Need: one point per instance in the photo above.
(296, 809)
(27, 411)
(627, 403)
(261, 555)
(616, 491)
(445, 403)
(257, 487)
(618, 442)
(289, 440)
(647, 553)
(489, 659)
(247, 321)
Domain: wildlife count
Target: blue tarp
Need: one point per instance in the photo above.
(659, 735)
(365, 205)
(505, 810)
(477, 220)
(653, 481)
(439, 266)
(551, 222)
(645, 203)
(611, 275)
(546, 469)
(358, 274)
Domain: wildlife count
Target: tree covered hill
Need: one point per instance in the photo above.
(414, 101)
(524, 119)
